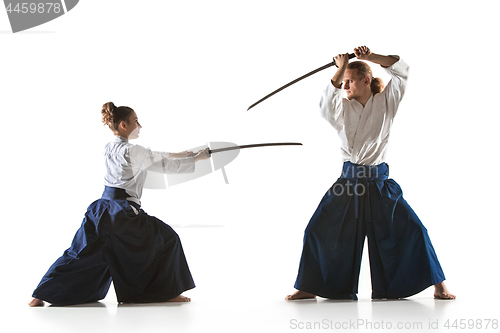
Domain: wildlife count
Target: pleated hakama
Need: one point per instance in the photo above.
(118, 242)
(363, 202)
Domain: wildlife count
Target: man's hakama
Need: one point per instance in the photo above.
(118, 242)
(363, 202)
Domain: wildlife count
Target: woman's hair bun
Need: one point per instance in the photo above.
(107, 112)
(113, 115)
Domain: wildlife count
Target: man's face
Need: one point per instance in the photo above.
(353, 85)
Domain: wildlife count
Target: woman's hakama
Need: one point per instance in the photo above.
(141, 255)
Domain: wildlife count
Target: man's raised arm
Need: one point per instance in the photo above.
(364, 53)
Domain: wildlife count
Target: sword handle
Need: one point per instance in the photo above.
(351, 55)
(208, 151)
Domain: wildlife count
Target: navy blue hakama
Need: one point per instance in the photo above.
(141, 255)
(363, 202)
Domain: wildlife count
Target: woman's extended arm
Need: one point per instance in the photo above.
(182, 154)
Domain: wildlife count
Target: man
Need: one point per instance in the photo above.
(364, 202)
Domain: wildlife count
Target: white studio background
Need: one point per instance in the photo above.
(190, 69)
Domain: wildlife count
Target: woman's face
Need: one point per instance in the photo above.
(133, 126)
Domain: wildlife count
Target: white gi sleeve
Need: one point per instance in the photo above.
(146, 159)
(395, 89)
(332, 107)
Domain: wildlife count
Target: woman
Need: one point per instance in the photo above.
(117, 240)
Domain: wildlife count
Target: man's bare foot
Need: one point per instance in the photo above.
(180, 298)
(299, 295)
(36, 302)
(441, 292)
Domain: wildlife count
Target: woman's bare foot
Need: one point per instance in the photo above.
(36, 302)
(299, 295)
(180, 298)
(441, 292)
